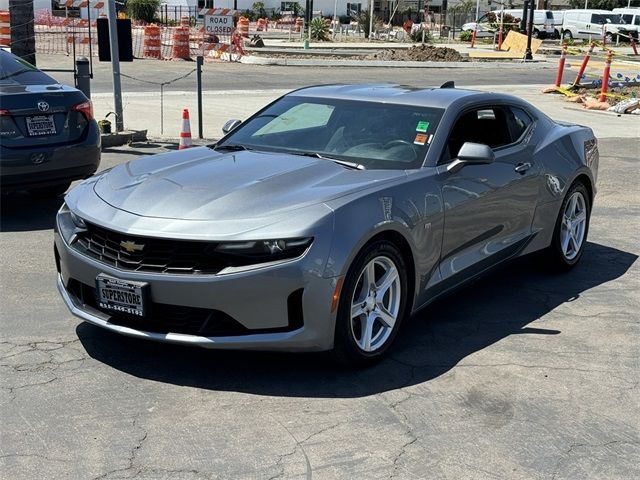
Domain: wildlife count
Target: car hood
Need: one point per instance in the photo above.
(201, 184)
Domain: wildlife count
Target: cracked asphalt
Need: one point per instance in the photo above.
(522, 375)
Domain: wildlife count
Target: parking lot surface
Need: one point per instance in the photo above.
(522, 375)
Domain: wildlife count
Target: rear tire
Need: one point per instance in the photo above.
(372, 306)
(571, 229)
(50, 191)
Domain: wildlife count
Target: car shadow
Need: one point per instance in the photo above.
(20, 212)
(503, 303)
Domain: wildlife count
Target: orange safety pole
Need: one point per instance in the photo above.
(633, 44)
(563, 56)
(605, 77)
(473, 37)
(500, 40)
(583, 67)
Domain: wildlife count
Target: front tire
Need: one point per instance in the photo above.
(567, 35)
(571, 229)
(373, 303)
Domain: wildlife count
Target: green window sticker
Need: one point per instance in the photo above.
(422, 126)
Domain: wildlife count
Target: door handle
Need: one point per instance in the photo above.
(522, 167)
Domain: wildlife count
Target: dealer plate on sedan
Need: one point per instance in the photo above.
(120, 295)
(41, 125)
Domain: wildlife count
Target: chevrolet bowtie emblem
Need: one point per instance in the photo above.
(130, 246)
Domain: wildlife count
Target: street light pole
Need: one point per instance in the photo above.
(115, 64)
(370, 19)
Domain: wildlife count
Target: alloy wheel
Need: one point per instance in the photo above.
(573, 227)
(375, 304)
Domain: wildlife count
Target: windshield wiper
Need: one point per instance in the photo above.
(232, 147)
(344, 163)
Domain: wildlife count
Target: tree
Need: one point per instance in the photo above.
(144, 10)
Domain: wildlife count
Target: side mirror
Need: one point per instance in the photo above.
(472, 154)
(230, 125)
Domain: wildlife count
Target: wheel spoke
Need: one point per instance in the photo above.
(367, 332)
(572, 205)
(387, 280)
(574, 242)
(356, 310)
(369, 276)
(565, 242)
(384, 315)
(580, 217)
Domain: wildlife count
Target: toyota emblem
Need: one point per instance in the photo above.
(43, 106)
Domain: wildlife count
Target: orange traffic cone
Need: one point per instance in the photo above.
(185, 134)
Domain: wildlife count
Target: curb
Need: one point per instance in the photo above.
(122, 138)
(384, 63)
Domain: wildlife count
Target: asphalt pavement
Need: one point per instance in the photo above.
(523, 375)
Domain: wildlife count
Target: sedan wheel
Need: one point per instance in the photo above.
(372, 304)
(571, 229)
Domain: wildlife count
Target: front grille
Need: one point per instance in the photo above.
(165, 318)
(147, 254)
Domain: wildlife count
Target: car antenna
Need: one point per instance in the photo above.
(449, 84)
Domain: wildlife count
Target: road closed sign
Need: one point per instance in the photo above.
(218, 24)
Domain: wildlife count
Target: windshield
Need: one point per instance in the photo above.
(14, 70)
(371, 134)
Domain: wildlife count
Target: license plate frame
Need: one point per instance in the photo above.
(40, 125)
(122, 296)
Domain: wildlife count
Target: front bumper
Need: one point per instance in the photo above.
(256, 299)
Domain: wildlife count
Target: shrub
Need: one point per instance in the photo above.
(319, 29)
(416, 35)
(466, 35)
(143, 10)
(363, 21)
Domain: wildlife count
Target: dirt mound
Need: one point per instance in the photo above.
(420, 53)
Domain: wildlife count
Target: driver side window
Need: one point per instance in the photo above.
(486, 125)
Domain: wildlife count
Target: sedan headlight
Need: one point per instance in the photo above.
(260, 251)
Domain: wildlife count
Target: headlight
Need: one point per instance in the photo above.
(69, 224)
(260, 251)
(77, 221)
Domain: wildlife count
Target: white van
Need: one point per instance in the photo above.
(630, 16)
(542, 23)
(558, 18)
(594, 24)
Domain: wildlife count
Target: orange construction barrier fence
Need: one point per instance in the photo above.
(243, 27)
(152, 46)
(181, 49)
(5, 28)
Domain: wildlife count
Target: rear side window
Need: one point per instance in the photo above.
(519, 122)
(14, 70)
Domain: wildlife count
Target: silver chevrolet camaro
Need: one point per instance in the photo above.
(325, 219)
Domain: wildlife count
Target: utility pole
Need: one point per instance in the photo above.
(23, 40)
(115, 64)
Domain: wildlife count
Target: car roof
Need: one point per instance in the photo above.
(396, 94)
